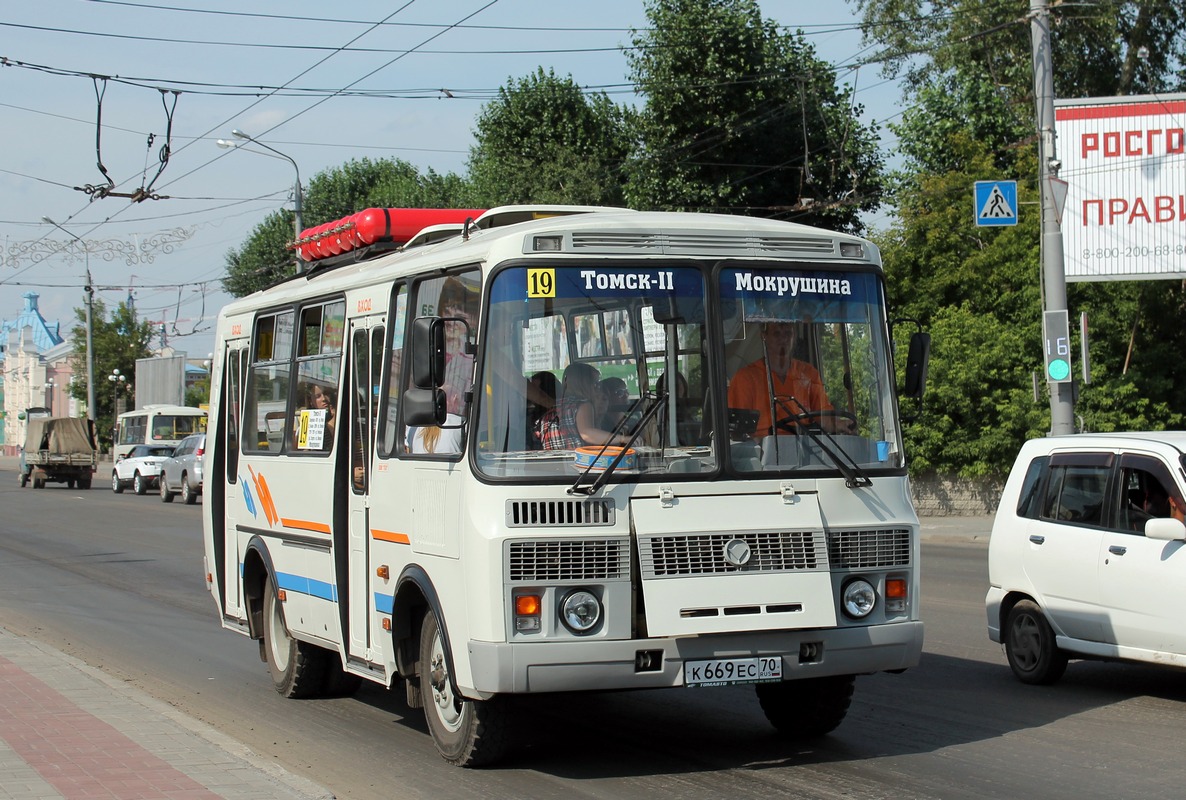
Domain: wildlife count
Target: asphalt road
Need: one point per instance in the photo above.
(116, 580)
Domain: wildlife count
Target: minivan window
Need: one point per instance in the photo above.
(1075, 493)
(1027, 505)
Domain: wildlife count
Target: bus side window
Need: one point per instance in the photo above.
(391, 442)
(265, 408)
(319, 365)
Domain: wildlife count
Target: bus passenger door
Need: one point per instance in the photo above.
(222, 489)
(366, 353)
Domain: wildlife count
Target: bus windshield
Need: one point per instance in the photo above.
(581, 360)
(173, 427)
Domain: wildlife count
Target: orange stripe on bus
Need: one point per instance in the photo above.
(390, 536)
(305, 525)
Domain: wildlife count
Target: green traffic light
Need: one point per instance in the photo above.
(1058, 370)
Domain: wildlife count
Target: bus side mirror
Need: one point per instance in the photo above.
(428, 352)
(425, 406)
(917, 360)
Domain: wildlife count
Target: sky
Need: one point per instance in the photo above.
(321, 83)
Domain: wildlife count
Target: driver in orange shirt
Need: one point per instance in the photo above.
(782, 375)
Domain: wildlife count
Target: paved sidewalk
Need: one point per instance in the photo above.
(68, 731)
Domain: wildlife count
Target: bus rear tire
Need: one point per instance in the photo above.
(298, 668)
(808, 708)
(467, 733)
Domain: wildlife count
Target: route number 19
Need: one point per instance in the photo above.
(541, 283)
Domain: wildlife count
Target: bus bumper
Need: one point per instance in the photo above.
(523, 668)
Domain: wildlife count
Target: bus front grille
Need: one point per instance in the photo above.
(567, 560)
(869, 549)
(559, 513)
(706, 553)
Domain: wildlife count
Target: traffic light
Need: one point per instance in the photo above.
(1057, 341)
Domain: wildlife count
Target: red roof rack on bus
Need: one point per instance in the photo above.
(374, 230)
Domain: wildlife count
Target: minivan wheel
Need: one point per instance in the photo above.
(187, 493)
(1029, 645)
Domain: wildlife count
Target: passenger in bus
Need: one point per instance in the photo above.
(539, 402)
(322, 398)
(767, 384)
(431, 440)
(573, 421)
(614, 402)
(456, 300)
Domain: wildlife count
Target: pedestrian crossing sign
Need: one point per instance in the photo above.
(996, 202)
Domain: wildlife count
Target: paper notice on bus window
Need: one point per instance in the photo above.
(311, 429)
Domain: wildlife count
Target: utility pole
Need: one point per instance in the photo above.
(90, 325)
(1056, 337)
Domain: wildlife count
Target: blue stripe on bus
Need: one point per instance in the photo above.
(299, 583)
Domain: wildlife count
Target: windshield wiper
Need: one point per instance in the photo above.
(854, 477)
(654, 404)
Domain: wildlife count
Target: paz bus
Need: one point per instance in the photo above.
(156, 424)
(688, 549)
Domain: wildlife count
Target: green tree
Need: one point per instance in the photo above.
(263, 258)
(971, 119)
(543, 140)
(743, 118)
(118, 342)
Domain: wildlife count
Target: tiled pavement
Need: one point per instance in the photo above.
(68, 731)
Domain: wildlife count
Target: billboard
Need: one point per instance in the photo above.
(1124, 160)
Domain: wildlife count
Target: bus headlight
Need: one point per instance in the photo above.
(580, 611)
(858, 598)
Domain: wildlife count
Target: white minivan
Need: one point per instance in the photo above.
(1087, 557)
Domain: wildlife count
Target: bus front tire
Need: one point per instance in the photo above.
(467, 733)
(807, 708)
(298, 668)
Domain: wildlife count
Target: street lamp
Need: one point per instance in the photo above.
(90, 325)
(117, 380)
(297, 199)
(49, 395)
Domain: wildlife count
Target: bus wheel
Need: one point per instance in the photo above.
(808, 708)
(297, 667)
(467, 733)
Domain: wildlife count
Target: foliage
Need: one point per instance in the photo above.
(544, 141)
(263, 259)
(978, 289)
(198, 394)
(118, 342)
(742, 118)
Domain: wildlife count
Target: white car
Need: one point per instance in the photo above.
(140, 468)
(1087, 557)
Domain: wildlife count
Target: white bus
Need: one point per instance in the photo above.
(156, 424)
(433, 539)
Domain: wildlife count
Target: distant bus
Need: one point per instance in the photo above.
(156, 424)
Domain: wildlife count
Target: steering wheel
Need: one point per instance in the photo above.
(793, 422)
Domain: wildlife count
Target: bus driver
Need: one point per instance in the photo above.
(768, 384)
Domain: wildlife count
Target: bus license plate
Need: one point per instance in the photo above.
(730, 671)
